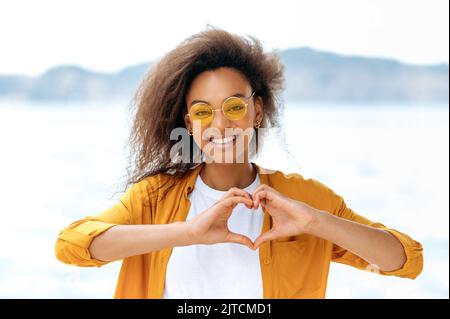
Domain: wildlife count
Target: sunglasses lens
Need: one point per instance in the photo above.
(235, 108)
(201, 112)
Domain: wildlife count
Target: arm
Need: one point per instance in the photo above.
(357, 241)
(209, 227)
(73, 242)
(123, 241)
(115, 234)
(374, 245)
(413, 250)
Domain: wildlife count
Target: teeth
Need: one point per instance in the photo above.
(223, 140)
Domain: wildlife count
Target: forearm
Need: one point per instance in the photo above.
(123, 241)
(376, 246)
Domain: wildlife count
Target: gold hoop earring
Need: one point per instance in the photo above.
(190, 132)
(258, 124)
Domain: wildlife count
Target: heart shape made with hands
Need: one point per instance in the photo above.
(289, 217)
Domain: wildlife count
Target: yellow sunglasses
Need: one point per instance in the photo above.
(233, 108)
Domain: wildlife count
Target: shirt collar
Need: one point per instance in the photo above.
(192, 176)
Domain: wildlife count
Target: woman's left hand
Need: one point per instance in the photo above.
(290, 217)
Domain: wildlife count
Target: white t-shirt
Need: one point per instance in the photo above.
(224, 270)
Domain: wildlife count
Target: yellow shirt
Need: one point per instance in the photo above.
(291, 267)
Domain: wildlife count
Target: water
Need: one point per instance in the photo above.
(62, 162)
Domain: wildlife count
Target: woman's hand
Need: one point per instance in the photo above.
(211, 226)
(290, 217)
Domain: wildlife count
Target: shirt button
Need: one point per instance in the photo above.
(266, 261)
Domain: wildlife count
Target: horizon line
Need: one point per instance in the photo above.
(280, 50)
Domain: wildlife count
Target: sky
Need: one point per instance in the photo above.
(109, 35)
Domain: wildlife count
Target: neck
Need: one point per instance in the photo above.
(223, 176)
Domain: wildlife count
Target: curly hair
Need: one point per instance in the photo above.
(159, 103)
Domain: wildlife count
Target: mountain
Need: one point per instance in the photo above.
(316, 75)
(311, 75)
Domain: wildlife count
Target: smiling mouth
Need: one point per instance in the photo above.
(223, 141)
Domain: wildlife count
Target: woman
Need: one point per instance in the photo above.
(218, 225)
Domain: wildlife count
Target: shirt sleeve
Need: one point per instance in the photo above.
(72, 245)
(413, 250)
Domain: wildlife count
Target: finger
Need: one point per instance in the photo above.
(260, 196)
(263, 202)
(256, 201)
(239, 239)
(234, 191)
(259, 188)
(231, 202)
(267, 236)
(264, 187)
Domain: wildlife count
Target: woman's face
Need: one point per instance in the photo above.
(223, 139)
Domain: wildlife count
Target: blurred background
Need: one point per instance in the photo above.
(366, 113)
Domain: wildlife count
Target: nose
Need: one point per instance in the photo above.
(220, 121)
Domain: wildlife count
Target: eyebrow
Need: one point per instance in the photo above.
(206, 102)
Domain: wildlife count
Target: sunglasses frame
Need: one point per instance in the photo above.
(221, 109)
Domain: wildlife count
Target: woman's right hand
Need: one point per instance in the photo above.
(211, 226)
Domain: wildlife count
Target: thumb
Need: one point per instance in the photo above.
(267, 236)
(239, 239)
